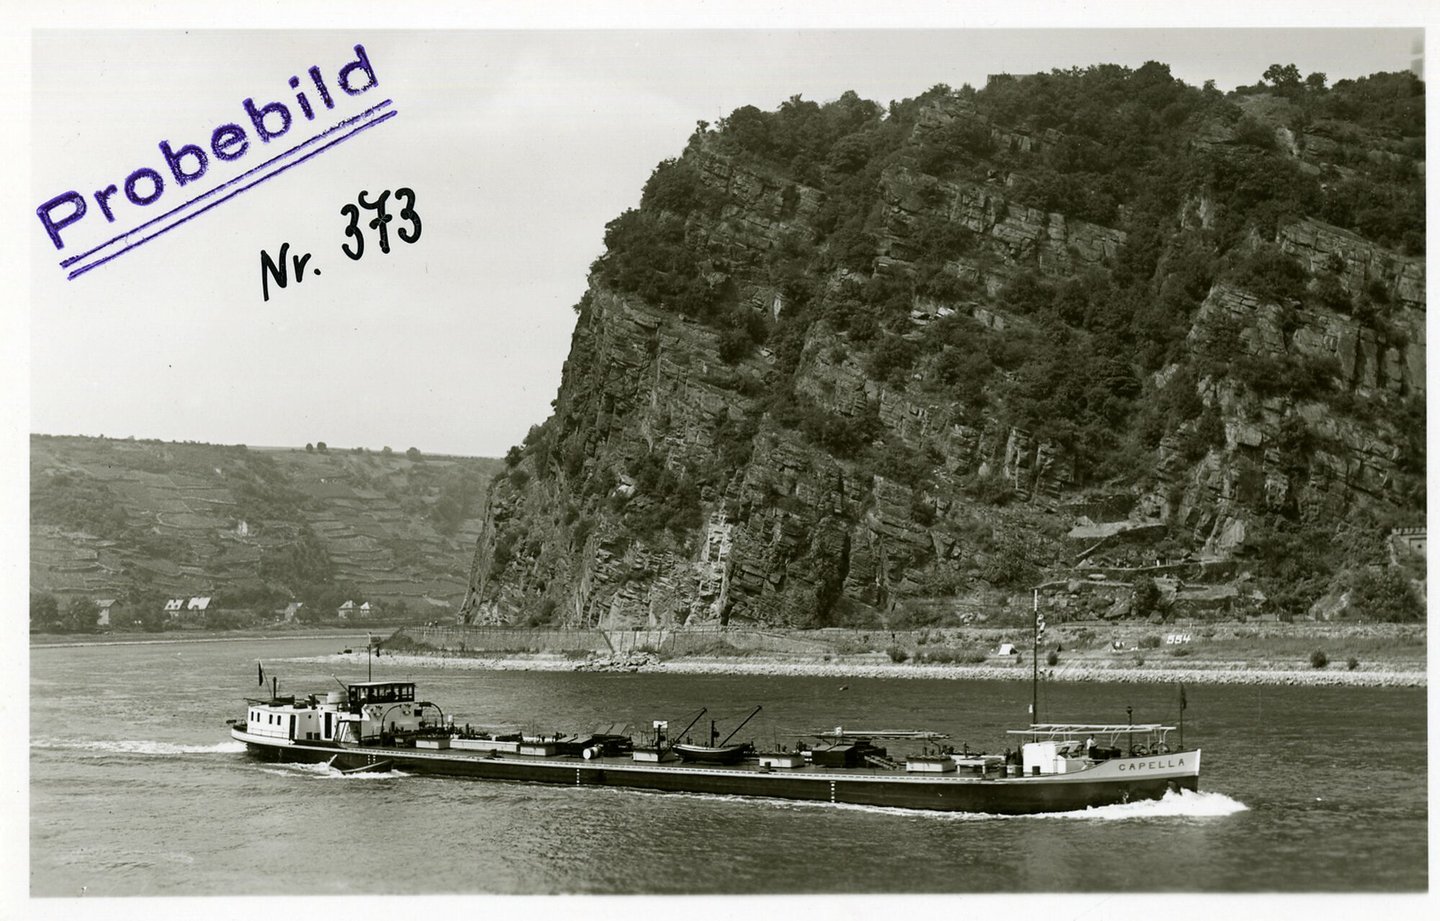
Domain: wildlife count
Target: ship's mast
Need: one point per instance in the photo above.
(1182, 717)
(737, 728)
(1035, 660)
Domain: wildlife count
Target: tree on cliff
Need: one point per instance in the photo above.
(1285, 78)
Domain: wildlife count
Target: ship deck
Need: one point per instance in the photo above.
(402, 755)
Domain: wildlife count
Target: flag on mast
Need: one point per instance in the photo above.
(262, 673)
(1039, 618)
(1182, 697)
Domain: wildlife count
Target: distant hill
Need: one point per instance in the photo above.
(140, 521)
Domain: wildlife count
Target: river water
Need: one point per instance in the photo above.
(136, 789)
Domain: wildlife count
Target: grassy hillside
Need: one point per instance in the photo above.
(140, 521)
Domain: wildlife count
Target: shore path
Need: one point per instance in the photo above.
(1199, 673)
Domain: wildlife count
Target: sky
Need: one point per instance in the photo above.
(519, 146)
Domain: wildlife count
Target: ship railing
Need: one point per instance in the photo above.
(1105, 739)
(840, 732)
(1080, 729)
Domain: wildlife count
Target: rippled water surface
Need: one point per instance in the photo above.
(136, 789)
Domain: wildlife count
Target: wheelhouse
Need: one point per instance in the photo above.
(363, 693)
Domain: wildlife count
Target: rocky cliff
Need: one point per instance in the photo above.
(856, 366)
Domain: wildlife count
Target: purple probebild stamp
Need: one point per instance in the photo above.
(265, 138)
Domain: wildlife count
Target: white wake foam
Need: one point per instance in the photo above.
(1200, 804)
(324, 771)
(139, 746)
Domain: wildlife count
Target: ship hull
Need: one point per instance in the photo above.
(1106, 783)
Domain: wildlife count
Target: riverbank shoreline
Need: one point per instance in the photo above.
(1378, 670)
(770, 666)
(63, 641)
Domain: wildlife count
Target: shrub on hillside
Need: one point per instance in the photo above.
(990, 489)
(1318, 659)
(1271, 275)
(1386, 596)
(1146, 598)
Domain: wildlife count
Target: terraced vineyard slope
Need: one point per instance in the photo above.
(252, 528)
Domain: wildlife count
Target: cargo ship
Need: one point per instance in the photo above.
(1054, 767)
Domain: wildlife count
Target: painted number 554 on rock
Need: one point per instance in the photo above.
(377, 208)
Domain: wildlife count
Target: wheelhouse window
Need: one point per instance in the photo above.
(390, 692)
